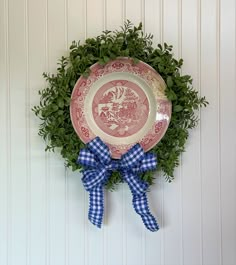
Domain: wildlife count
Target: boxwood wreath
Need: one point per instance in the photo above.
(130, 41)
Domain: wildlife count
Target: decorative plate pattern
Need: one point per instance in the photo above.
(123, 103)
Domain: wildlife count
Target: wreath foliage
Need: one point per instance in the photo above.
(130, 41)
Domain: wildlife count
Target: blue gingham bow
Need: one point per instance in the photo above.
(98, 167)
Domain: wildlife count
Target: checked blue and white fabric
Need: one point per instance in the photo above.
(98, 167)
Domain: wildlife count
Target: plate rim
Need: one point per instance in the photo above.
(154, 123)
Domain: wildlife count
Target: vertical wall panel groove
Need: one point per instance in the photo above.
(104, 242)
(8, 140)
(47, 160)
(66, 219)
(27, 140)
(227, 120)
(163, 193)
(3, 134)
(124, 228)
(86, 240)
(218, 22)
(200, 127)
(105, 218)
(162, 248)
(143, 242)
(180, 173)
(66, 229)
(47, 212)
(124, 197)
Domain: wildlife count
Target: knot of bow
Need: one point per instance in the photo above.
(98, 167)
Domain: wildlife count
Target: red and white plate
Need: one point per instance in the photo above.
(123, 103)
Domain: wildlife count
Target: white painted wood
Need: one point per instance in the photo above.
(211, 175)
(172, 207)
(43, 206)
(191, 174)
(134, 10)
(38, 177)
(18, 187)
(227, 114)
(113, 19)
(56, 188)
(76, 232)
(4, 139)
(95, 15)
(155, 240)
(77, 19)
(153, 10)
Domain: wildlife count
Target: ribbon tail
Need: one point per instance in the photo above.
(96, 206)
(140, 204)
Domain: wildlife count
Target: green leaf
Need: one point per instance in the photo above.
(135, 60)
(106, 59)
(101, 61)
(169, 81)
(54, 107)
(178, 108)
(171, 95)
(60, 103)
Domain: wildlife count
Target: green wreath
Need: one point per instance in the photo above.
(54, 108)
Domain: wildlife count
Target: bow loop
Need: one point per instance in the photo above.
(132, 158)
(148, 163)
(87, 159)
(93, 178)
(100, 149)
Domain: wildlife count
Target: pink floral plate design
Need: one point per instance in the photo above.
(123, 103)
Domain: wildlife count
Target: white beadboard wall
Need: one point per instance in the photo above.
(43, 206)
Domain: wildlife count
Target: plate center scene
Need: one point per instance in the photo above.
(120, 108)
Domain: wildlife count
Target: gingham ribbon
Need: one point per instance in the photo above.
(98, 167)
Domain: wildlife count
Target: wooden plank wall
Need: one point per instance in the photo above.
(43, 207)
